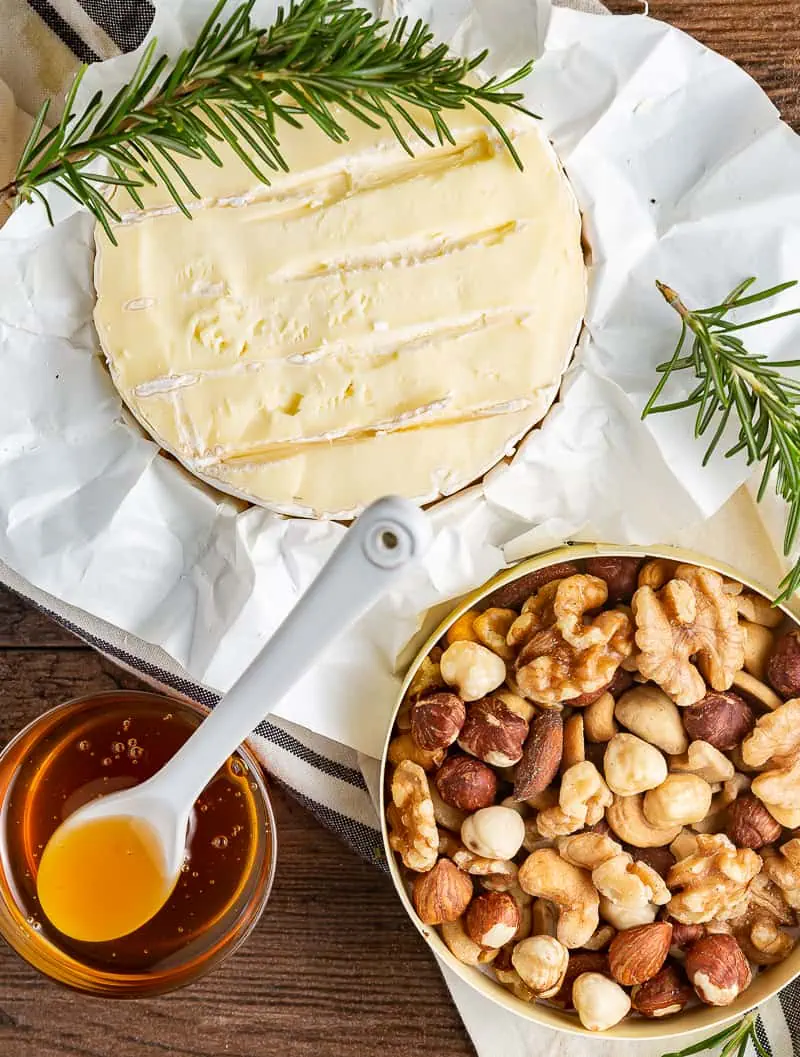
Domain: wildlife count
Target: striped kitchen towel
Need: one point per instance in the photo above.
(41, 42)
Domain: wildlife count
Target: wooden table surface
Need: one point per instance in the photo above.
(334, 969)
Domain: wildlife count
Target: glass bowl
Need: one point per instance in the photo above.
(110, 741)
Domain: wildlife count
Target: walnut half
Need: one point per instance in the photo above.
(688, 627)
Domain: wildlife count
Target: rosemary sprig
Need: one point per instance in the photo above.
(734, 381)
(732, 1040)
(237, 83)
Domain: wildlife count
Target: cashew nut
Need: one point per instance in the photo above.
(756, 692)
(759, 643)
(472, 669)
(627, 819)
(574, 750)
(462, 947)
(546, 875)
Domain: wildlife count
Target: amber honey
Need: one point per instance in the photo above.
(110, 742)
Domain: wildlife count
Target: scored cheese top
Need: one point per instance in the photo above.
(370, 323)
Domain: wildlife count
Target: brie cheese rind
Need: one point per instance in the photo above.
(370, 323)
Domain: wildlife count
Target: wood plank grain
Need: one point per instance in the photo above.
(333, 968)
(21, 624)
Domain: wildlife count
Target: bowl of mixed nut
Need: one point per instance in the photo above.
(591, 792)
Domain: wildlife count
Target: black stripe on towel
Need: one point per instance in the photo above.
(125, 21)
(284, 740)
(63, 30)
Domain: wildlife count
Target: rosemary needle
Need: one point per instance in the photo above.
(238, 83)
(733, 381)
(732, 1041)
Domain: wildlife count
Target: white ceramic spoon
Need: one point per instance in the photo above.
(388, 536)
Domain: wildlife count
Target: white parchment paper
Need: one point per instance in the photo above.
(684, 172)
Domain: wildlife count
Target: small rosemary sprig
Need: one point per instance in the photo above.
(732, 1040)
(237, 83)
(733, 380)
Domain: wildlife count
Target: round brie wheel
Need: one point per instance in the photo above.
(369, 323)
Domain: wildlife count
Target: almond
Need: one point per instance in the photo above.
(637, 954)
(541, 755)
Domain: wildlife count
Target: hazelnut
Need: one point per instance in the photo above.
(637, 954)
(580, 962)
(436, 720)
(472, 669)
(514, 594)
(494, 832)
(680, 800)
(647, 712)
(492, 919)
(664, 994)
(541, 755)
(442, 894)
(493, 733)
(600, 1003)
(466, 783)
(750, 825)
(518, 705)
(721, 719)
(683, 935)
(718, 969)
(783, 667)
(633, 766)
(658, 859)
(541, 962)
(620, 574)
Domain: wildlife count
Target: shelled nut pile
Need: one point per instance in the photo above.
(594, 787)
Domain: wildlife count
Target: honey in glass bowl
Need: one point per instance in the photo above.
(98, 745)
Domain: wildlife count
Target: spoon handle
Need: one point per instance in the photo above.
(390, 535)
